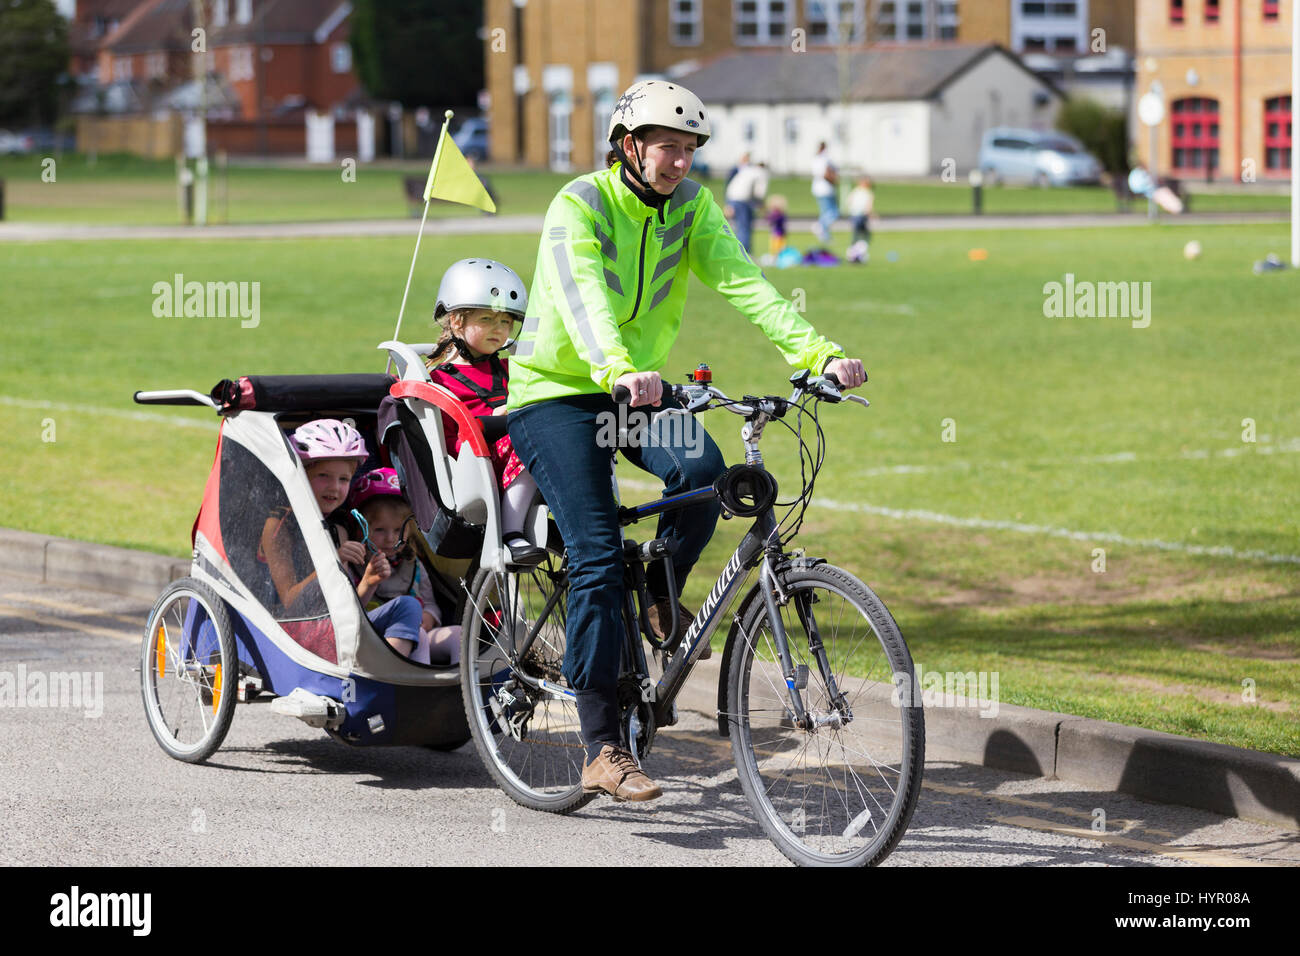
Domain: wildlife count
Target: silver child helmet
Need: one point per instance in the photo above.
(481, 284)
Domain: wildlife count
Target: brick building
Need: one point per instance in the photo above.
(1223, 68)
(554, 68)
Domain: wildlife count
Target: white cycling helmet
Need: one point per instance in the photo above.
(329, 438)
(659, 103)
(481, 284)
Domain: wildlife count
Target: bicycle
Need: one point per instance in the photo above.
(817, 690)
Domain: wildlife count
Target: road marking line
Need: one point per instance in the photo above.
(73, 608)
(1190, 854)
(175, 420)
(1109, 537)
(65, 624)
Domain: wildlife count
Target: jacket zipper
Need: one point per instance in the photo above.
(640, 274)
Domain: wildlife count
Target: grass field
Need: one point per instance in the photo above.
(121, 189)
(1071, 434)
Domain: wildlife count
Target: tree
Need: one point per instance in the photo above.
(419, 52)
(33, 55)
(1102, 131)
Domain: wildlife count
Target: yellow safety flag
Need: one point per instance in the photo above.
(452, 178)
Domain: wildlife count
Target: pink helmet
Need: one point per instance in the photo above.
(329, 438)
(381, 481)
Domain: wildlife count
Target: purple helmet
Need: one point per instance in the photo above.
(328, 438)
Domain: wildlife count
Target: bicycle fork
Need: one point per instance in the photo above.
(796, 677)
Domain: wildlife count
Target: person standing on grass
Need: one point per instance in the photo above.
(825, 189)
(745, 191)
(617, 250)
(862, 206)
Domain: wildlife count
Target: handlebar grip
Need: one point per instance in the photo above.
(622, 395)
(830, 377)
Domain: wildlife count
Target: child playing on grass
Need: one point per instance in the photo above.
(479, 302)
(377, 497)
(862, 203)
(331, 451)
(776, 223)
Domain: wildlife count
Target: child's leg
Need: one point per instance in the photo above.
(515, 501)
(398, 622)
(444, 645)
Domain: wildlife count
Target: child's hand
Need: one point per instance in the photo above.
(377, 570)
(352, 552)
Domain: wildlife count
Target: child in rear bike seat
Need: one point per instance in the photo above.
(377, 497)
(479, 302)
(331, 451)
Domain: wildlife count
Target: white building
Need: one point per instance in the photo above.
(893, 111)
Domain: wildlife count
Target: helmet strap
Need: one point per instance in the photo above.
(633, 178)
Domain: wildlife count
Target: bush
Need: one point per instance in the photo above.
(1103, 132)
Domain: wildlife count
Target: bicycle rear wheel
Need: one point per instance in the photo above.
(528, 737)
(840, 792)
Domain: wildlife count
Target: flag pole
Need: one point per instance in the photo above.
(437, 154)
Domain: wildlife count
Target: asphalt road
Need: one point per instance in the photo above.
(84, 788)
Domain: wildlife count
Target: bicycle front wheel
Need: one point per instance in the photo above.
(524, 724)
(837, 784)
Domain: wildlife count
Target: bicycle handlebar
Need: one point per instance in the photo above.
(699, 397)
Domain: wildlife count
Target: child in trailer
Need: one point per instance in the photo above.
(479, 302)
(377, 497)
(331, 451)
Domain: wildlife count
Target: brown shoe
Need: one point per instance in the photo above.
(614, 771)
(660, 622)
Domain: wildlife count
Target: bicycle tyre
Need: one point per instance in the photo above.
(188, 670)
(539, 766)
(838, 795)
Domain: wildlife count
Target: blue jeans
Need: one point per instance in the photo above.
(743, 213)
(829, 211)
(559, 443)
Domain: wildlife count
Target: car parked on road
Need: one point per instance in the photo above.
(472, 138)
(1042, 157)
(15, 144)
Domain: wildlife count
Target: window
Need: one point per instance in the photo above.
(220, 12)
(241, 64)
(1211, 11)
(121, 68)
(914, 26)
(1034, 44)
(1064, 44)
(243, 11)
(791, 130)
(1277, 134)
(749, 131)
(886, 27)
(1195, 136)
(341, 57)
(1033, 9)
(1176, 12)
(762, 22)
(1270, 9)
(835, 21)
(684, 22)
(947, 21)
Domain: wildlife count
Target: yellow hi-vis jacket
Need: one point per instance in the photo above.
(610, 286)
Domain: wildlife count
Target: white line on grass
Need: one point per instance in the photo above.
(1289, 446)
(179, 421)
(1109, 537)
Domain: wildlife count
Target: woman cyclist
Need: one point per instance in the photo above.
(605, 307)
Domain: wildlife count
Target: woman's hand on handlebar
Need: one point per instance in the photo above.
(643, 388)
(848, 372)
